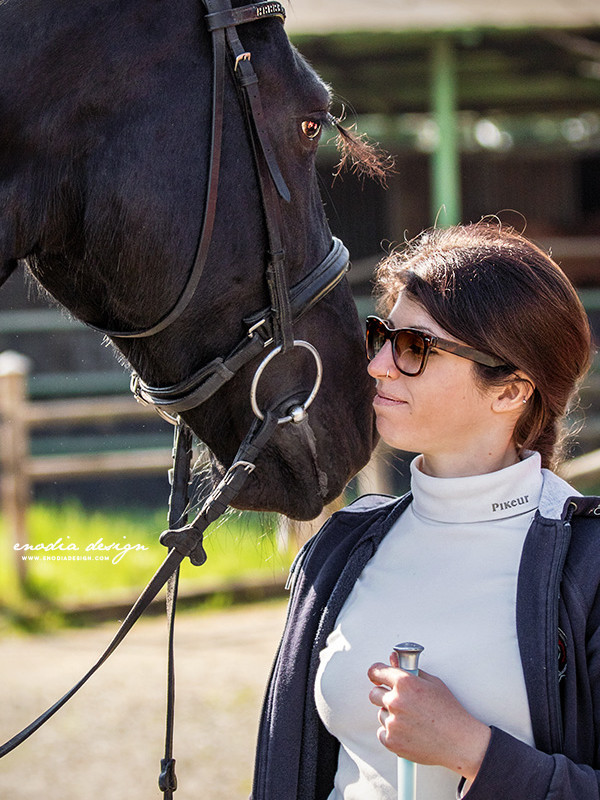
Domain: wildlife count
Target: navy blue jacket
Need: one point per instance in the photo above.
(558, 616)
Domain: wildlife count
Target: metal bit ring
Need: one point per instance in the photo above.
(298, 412)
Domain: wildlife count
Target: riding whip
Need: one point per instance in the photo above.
(408, 660)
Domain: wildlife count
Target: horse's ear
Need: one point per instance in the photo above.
(6, 270)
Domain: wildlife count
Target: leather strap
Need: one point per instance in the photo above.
(178, 503)
(189, 540)
(248, 80)
(197, 388)
(305, 294)
(240, 16)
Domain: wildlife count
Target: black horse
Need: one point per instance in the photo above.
(105, 114)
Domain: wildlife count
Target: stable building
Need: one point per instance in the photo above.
(487, 109)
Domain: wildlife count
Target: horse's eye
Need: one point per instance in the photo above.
(311, 129)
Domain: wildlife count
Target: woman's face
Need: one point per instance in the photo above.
(441, 413)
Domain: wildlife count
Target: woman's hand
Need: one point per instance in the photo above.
(422, 721)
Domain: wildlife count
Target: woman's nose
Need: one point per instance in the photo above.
(382, 366)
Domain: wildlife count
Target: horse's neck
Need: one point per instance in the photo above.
(43, 54)
(66, 70)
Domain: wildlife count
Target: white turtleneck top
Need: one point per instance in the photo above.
(444, 576)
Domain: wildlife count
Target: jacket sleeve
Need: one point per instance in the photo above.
(513, 770)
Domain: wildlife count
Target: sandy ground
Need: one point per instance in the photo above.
(107, 741)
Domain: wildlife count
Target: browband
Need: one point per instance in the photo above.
(240, 16)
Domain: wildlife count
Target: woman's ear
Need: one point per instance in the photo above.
(514, 394)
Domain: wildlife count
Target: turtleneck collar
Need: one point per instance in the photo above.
(506, 493)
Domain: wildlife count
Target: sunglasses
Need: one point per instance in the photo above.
(411, 347)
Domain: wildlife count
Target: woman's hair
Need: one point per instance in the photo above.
(490, 287)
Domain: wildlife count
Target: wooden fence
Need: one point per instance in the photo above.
(19, 417)
(20, 470)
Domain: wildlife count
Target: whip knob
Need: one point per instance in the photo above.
(408, 656)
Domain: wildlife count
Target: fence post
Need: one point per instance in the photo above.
(14, 450)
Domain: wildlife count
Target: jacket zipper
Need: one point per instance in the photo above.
(556, 730)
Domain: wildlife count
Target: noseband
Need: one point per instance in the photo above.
(262, 332)
(270, 326)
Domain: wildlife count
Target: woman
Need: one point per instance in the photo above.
(492, 562)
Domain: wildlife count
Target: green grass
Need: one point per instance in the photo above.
(74, 568)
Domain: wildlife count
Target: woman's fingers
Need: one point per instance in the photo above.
(383, 715)
(376, 695)
(420, 719)
(385, 675)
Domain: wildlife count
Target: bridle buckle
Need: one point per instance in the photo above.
(242, 57)
(256, 329)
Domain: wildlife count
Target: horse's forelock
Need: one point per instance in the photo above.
(360, 156)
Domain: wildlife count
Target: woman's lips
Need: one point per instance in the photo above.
(384, 400)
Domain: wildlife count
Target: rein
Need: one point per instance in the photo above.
(269, 326)
(182, 542)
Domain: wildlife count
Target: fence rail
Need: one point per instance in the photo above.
(20, 416)
(20, 470)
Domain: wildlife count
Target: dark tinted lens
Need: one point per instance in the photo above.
(408, 347)
(409, 352)
(375, 337)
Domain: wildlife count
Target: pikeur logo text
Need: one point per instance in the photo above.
(518, 501)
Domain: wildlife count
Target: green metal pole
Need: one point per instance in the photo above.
(445, 162)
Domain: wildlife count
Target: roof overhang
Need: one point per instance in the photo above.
(338, 16)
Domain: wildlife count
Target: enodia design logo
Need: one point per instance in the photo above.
(98, 550)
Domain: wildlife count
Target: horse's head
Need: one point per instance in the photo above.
(105, 119)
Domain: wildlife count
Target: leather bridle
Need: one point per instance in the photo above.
(273, 325)
(269, 326)
(262, 332)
